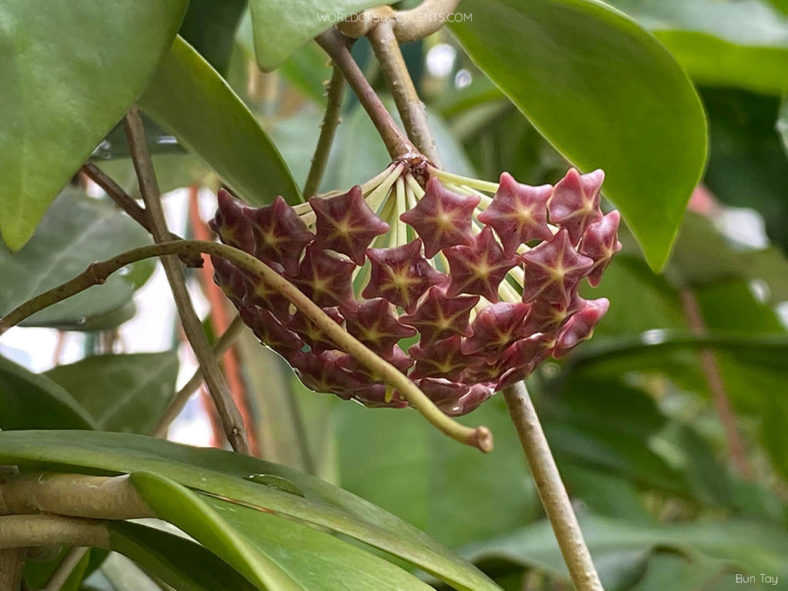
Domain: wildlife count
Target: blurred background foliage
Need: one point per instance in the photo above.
(669, 427)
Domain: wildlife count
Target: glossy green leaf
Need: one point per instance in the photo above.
(282, 26)
(225, 474)
(121, 392)
(606, 94)
(271, 551)
(742, 43)
(210, 27)
(452, 493)
(190, 99)
(69, 72)
(755, 548)
(75, 232)
(30, 401)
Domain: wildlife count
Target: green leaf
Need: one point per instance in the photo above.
(270, 551)
(179, 562)
(282, 26)
(225, 475)
(756, 548)
(452, 493)
(121, 392)
(75, 232)
(30, 401)
(742, 44)
(606, 94)
(190, 99)
(69, 72)
(210, 27)
(782, 124)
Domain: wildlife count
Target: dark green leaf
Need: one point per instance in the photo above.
(270, 551)
(224, 474)
(121, 392)
(210, 26)
(282, 26)
(782, 125)
(180, 563)
(190, 99)
(69, 72)
(75, 232)
(30, 401)
(606, 95)
(741, 44)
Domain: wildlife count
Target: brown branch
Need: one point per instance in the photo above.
(45, 530)
(408, 25)
(397, 143)
(722, 405)
(555, 499)
(409, 105)
(328, 128)
(97, 273)
(228, 413)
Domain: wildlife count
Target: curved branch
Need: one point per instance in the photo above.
(22, 531)
(97, 273)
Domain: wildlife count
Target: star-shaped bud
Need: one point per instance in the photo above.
(347, 224)
(495, 328)
(480, 268)
(600, 243)
(574, 204)
(580, 327)
(442, 392)
(443, 359)
(311, 333)
(518, 213)
(232, 222)
(482, 370)
(263, 295)
(439, 316)
(324, 372)
(269, 330)
(395, 356)
(325, 278)
(477, 394)
(374, 323)
(400, 275)
(280, 234)
(522, 357)
(377, 396)
(233, 283)
(553, 269)
(547, 317)
(442, 218)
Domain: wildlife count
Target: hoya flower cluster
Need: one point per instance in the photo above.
(463, 292)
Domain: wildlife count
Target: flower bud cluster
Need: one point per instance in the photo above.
(482, 289)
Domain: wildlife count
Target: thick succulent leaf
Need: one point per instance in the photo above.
(69, 72)
(210, 27)
(270, 551)
(754, 547)
(30, 401)
(75, 232)
(121, 392)
(742, 44)
(282, 26)
(606, 94)
(190, 99)
(226, 475)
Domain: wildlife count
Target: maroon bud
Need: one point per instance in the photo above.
(522, 357)
(325, 278)
(480, 268)
(232, 222)
(600, 243)
(311, 333)
(347, 224)
(442, 392)
(553, 269)
(495, 328)
(442, 218)
(280, 235)
(438, 316)
(443, 359)
(374, 323)
(400, 275)
(580, 327)
(268, 329)
(547, 317)
(518, 213)
(574, 204)
(324, 372)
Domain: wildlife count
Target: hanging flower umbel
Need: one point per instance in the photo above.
(463, 285)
